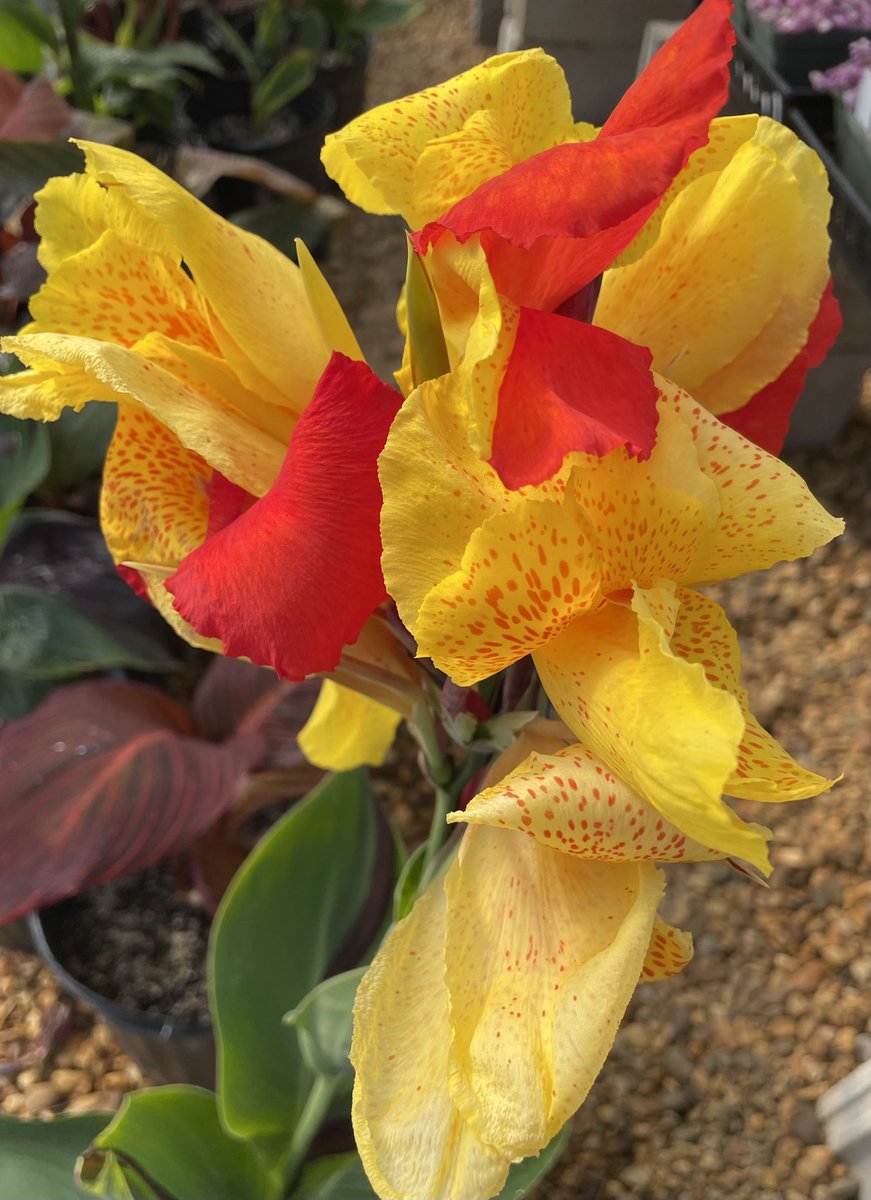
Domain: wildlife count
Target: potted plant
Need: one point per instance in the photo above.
(797, 38)
(127, 777)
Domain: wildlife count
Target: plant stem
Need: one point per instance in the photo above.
(81, 95)
(319, 1100)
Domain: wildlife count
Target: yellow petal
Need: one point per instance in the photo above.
(768, 515)
(44, 393)
(572, 803)
(347, 729)
(264, 324)
(670, 950)
(335, 328)
(653, 718)
(499, 113)
(227, 442)
(543, 953)
(413, 1142)
(752, 206)
(154, 506)
(764, 770)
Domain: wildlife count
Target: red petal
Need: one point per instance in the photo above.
(599, 193)
(227, 501)
(291, 581)
(134, 580)
(570, 386)
(764, 419)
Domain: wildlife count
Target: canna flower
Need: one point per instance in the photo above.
(592, 570)
(236, 375)
(710, 238)
(489, 1010)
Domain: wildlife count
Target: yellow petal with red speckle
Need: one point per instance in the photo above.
(255, 292)
(572, 803)
(768, 514)
(653, 718)
(227, 442)
(347, 729)
(42, 394)
(525, 575)
(453, 136)
(764, 770)
(669, 952)
(752, 205)
(412, 1140)
(543, 952)
(154, 506)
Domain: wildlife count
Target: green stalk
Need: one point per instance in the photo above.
(79, 90)
(311, 1118)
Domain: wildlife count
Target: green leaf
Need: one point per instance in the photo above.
(281, 222)
(285, 915)
(290, 76)
(37, 1157)
(334, 1177)
(20, 48)
(525, 1176)
(33, 19)
(168, 1143)
(426, 339)
(25, 458)
(44, 637)
(381, 14)
(79, 441)
(408, 884)
(20, 696)
(26, 166)
(323, 1023)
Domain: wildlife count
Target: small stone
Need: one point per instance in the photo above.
(95, 1102)
(68, 1080)
(636, 1175)
(809, 977)
(814, 1163)
(805, 1126)
(39, 1097)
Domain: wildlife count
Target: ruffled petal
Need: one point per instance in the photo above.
(347, 729)
(43, 393)
(543, 952)
(572, 803)
(653, 718)
(273, 585)
(264, 325)
(754, 211)
(227, 441)
(454, 136)
(412, 1140)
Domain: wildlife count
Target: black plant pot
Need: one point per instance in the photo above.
(294, 144)
(167, 1050)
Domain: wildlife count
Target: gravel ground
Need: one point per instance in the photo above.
(710, 1091)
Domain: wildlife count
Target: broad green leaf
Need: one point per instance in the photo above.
(44, 637)
(25, 458)
(526, 1176)
(323, 1023)
(334, 1177)
(168, 1143)
(379, 15)
(37, 1158)
(284, 917)
(79, 441)
(20, 48)
(289, 77)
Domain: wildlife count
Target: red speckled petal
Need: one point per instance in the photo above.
(571, 802)
(291, 581)
(570, 386)
(765, 418)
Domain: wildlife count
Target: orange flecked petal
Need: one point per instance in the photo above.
(764, 770)
(570, 802)
(43, 393)
(670, 950)
(154, 506)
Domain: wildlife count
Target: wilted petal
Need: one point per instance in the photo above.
(347, 729)
(670, 950)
